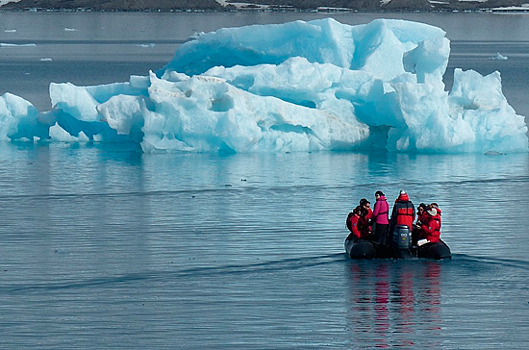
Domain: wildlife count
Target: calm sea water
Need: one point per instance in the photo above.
(104, 248)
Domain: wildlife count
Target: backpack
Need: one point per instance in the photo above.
(348, 221)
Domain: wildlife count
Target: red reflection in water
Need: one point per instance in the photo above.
(381, 305)
(390, 301)
(432, 294)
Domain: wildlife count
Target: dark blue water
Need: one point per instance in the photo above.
(106, 248)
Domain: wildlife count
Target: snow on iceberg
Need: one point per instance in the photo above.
(299, 86)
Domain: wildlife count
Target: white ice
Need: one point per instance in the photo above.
(298, 86)
(499, 57)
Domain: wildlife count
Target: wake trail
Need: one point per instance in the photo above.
(197, 272)
(520, 264)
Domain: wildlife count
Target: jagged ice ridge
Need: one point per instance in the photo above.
(298, 86)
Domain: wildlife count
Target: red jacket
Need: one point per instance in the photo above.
(403, 212)
(369, 215)
(422, 217)
(364, 227)
(353, 225)
(431, 229)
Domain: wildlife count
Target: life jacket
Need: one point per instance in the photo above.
(405, 213)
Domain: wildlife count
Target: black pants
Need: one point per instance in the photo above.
(415, 236)
(382, 235)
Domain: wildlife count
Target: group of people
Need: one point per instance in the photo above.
(376, 224)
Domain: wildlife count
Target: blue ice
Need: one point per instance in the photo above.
(298, 86)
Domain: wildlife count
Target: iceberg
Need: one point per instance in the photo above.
(300, 86)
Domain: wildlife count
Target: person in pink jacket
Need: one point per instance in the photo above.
(380, 219)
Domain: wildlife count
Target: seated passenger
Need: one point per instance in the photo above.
(364, 225)
(431, 227)
(434, 205)
(421, 211)
(365, 219)
(364, 203)
(352, 223)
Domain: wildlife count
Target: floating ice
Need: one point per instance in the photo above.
(299, 86)
(499, 57)
(15, 45)
(150, 45)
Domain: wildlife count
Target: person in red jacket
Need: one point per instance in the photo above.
(365, 204)
(431, 228)
(352, 223)
(365, 219)
(434, 205)
(421, 211)
(403, 212)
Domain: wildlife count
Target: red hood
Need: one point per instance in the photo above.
(403, 198)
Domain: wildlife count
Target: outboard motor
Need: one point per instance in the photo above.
(401, 244)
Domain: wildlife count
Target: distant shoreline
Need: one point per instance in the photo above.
(271, 6)
(270, 10)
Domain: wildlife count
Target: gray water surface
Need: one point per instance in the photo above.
(108, 249)
(105, 248)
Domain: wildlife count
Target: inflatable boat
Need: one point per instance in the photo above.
(400, 247)
(437, 250)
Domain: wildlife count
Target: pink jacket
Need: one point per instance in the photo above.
(381, 210)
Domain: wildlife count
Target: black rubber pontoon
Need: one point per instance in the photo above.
(400, 247)
(360, 249)
(438, 250)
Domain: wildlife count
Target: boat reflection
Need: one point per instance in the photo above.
(394, 303)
